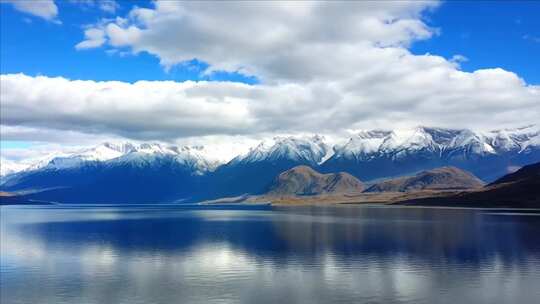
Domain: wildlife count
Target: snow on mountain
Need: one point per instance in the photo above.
(383, 153)
(397, 143)
(467, 142)
(307, 149)
(363, 146)
(8, 167)
(412, 142)
(531, 143)
(101, 153)
(514, 139)
(148, 154)
(197, 157)
(369, 144)
(114, 154)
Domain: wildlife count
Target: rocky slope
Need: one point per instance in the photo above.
(445, 178)
(303, 180)
(520, 189)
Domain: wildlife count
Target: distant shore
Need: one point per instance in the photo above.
(458, 199)
(424, 198)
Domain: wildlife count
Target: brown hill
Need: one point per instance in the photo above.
(520, 189)
(302, 180)
(444, 178)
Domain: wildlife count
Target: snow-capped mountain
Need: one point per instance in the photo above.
(255, 170)
(124, 153)
(116, 173)
(383, 153)
(311, 150)
(64, 160)
(150, 154)
(8, 167)
(520, 139)
(136, 173)
(368, 144)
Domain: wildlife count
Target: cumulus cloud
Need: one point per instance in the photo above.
(406, 91)
(94, 38)
(146, 109)
(45, 9)
(274, 40)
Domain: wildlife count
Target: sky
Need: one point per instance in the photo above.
(75, 73)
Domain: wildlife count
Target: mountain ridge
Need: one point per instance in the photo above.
(369, 155)
(520, 189)
(443, 178)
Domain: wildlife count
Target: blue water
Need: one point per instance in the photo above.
(167, 254)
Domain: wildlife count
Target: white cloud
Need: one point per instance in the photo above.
(45, 9)
(274, 40)
(49, 135)
(94, 38)
(405, 91)
(142, 110)
(458, 59)
(326, 67)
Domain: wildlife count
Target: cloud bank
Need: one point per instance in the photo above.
(403, 96)
(325, 67)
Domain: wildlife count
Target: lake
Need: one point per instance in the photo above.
(264, 254)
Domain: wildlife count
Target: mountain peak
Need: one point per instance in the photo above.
(303, 180)
(310, 150)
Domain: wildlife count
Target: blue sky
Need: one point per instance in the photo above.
(10, 144)
(35, 46)
(488, 33)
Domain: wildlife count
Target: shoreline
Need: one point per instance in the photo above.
(336, 205)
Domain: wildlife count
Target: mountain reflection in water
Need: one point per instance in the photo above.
(189, 254)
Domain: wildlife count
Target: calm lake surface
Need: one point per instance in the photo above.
(166, 254)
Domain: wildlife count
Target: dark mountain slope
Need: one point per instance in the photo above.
(529, 172)
(445, 178)
(520, 189)
(162, 180)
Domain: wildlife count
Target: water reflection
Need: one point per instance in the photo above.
(284, 255)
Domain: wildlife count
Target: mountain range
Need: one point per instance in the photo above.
(303, 185)
(488, 155)
(153, 172)
(115, 174)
